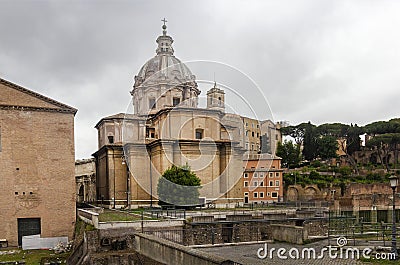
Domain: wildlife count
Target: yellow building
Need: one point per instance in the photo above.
(168, 128)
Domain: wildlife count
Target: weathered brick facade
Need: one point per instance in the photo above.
(36, 163)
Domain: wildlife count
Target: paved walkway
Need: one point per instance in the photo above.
(247, 254)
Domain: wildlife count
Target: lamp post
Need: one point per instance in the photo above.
(393, 184)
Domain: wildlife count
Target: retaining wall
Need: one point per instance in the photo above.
(289, 233)
(166, 252)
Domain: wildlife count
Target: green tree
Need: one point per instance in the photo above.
(310, 142)
(296, 132)
(327, 147)
(290, 154)
(179, 186)
(353, 139)
(349, 137)
(385, 139)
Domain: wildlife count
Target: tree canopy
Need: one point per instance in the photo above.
(179, 186)
(290, 154)
(327, 147)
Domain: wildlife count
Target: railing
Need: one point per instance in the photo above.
(169, 213)
(297, 204)
(358, 233)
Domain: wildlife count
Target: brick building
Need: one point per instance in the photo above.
(37, 187)
(262, 179)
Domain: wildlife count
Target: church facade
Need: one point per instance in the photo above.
(37, 188)
(168, 128)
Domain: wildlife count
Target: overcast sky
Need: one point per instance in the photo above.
(323, 61)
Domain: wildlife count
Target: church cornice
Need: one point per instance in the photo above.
(29, 108)
(120, 117)
(105, 148)
(184, 109)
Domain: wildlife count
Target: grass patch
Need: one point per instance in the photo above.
(32, 257)
(115, 216)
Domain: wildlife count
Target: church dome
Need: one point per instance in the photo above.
(164, 66)
(164, 81)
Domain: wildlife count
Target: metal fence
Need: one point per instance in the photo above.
(296, 204)
(168, 213)
(359, 232)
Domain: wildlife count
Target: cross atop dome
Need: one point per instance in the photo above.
(164, 27)
(164, 41)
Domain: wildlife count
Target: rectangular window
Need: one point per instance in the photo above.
(255, 194)
(110, 139)
(152, 103)
(246, 194)
(276, 137)
(246, 184)
(255, 175)
(274, 195)
(277, 174)
(199, 133)
(262, 183)
(255, 183)
(271, 175)
(176, 101)
(277, 183)
(261, 194)
(261, 175)
(245, 175)
(150, 132)
(271, 183)
(268, 194)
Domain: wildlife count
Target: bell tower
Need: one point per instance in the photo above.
(216, 98)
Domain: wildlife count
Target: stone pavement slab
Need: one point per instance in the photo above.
(247, 254)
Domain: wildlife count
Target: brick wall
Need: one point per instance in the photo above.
(36, 167)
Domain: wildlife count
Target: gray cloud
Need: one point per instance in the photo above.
(323, 61)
